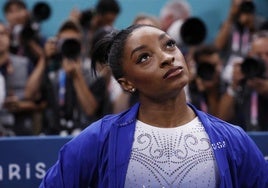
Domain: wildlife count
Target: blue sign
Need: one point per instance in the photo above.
(261, 139)
(25, 160)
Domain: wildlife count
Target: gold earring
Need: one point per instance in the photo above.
(132, 90)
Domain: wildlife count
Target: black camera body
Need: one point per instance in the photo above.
(253, 67)
(193, 31)
(30, 31)
(69, 48)
(205, 71)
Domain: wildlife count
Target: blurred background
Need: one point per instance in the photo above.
(212, 12)
(41, 107)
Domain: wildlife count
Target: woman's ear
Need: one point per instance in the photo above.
(126, 85)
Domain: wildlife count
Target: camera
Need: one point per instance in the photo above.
(206, 71)
(41, 11)
(69, 48)
(193, 31)
(253, 67)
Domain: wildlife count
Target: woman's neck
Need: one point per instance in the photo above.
(171, 113)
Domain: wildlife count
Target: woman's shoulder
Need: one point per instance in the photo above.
(100, 129)
(219, 126)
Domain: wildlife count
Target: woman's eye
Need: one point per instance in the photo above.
(142, 58)
(171, 43)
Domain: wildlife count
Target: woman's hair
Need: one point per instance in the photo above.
(98, 55)
(112, 46)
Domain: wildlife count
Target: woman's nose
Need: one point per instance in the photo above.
(167, 60)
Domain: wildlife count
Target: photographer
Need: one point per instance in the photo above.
(24, 27)
(104, 13)
(246, 99)
(67, 76)
(206, 87)
(18, 113)
(235, 34)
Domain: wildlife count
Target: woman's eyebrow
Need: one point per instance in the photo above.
(137, 49)
(163, 35)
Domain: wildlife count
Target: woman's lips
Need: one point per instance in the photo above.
(173, 72)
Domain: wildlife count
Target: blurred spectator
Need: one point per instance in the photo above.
(74, 96)
(234, 36)
(147, 20)
(17, 112)
(70, 100)
(172, 11)
(246, 99)
(206, 87)
(16, 15)
(23, 28)
(104, 13)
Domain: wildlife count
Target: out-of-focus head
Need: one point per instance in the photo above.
(208, 62)
(69, 42)
(70, 29)
(106, 12)
(172, 11)
(145, 19)
(208, 53)
(16, 12)
(259, 46)
(4, 39)
(246, 13)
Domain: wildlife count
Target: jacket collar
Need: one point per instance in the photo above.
(122, 137)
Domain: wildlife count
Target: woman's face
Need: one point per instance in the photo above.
(153, 64)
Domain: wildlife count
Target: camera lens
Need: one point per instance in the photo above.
(41, 11)
(253, 67)
(205, 71)
(193, 31)
(70, 48)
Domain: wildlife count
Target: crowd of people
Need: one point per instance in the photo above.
(60, 85)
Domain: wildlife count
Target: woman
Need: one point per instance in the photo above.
(161, 141)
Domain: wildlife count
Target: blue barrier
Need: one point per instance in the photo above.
(261, 140)
(25, 160)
